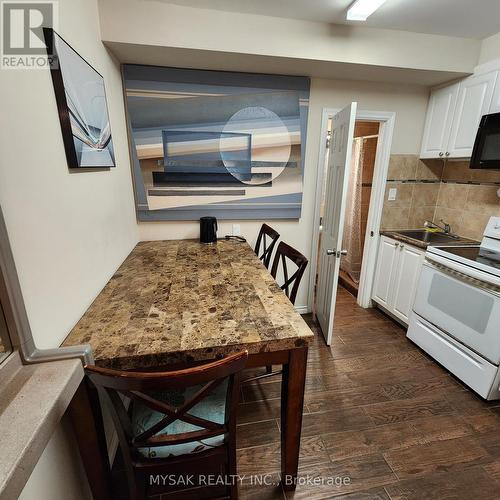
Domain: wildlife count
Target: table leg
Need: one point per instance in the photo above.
(85, 413)
(292, 403)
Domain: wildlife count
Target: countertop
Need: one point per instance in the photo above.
(179, 301)
(422, 244)
(33, 400)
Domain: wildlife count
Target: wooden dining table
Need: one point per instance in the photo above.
(179, 302)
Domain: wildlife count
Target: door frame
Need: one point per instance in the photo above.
(381, 167)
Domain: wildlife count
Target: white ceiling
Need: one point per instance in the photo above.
(461, 18)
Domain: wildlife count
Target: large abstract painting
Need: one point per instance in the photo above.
(82, 106)
(230, 145)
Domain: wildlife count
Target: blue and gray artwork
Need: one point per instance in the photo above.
(216, 143)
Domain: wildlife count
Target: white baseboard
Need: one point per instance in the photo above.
(302, 309)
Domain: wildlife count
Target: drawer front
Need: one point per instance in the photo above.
(469, 367)
(466, 312)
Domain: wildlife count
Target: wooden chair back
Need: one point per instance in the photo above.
(138, 386)
(267, 247)
(291, 284)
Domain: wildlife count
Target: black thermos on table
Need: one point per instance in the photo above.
(208, 230)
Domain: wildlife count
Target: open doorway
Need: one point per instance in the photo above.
(359, 192)
(362, 202)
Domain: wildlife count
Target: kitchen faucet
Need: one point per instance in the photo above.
(445, 227)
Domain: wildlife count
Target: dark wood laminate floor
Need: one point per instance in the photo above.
(381, 421)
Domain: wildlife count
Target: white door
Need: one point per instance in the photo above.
(405, 285)
(386, 267)
(330, 250)
(438, 121)
(474, 100)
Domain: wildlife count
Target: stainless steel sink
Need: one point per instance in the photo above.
(428, 237)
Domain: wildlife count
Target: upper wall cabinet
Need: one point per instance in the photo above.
(454, 114)
(474, 101)
(495, 101)
(438, 121)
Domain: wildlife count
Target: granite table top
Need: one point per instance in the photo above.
(180, 301)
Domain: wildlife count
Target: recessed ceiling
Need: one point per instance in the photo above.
(461, 18)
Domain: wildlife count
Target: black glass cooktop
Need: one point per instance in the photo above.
(476, 254)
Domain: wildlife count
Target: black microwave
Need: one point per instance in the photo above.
(486, 152)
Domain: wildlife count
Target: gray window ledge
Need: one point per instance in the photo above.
(33, 399)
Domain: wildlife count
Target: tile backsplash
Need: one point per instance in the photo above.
(437, 189)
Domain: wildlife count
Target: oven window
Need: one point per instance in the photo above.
(491, 147)
(457, 300)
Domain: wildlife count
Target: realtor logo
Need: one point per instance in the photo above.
(23, 45)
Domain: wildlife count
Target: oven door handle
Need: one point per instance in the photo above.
(486, 278)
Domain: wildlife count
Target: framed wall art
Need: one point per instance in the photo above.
(81, 103)
(223, 144)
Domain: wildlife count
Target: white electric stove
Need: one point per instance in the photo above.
(456, 314)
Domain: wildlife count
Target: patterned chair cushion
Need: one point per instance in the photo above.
(212, 408)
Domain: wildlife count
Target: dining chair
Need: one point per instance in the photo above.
(291, 284)
(179, 425)
(264, 233)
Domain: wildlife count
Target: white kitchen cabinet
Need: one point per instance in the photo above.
(454, 113)
(474, 101)
(396, 276)
(438, 121)
(406, 280)
(495, 101)
(387, 254)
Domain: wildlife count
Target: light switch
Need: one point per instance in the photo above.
(392, 194)
(236, 230)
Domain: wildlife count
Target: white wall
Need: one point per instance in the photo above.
(69, 231)
(408, 102)
(490, 49)
(58, 475)
(168, 25)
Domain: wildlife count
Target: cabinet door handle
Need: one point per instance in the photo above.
(447, 154)
(441, 154)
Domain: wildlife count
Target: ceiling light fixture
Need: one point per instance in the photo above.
(360, 10)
